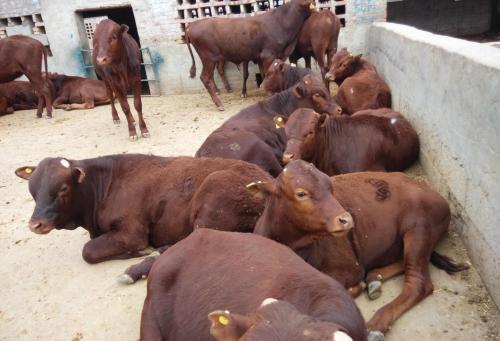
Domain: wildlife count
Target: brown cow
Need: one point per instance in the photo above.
(242, 272)
(20, 95)
(74, 92)
(281, 76)
(22, 55)
(130, 202)
(378, 140)
(4, 108)
(251, 135)
(317, 38)
(397, 222)
(360, 86)
(260, 39)
(117, 60)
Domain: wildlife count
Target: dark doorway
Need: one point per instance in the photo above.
(121, 15)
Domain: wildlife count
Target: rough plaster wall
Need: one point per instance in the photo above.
(449, 89)
(14, 8)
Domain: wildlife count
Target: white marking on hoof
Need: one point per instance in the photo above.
(376, 335)
(133, 138)
(341, 336)
(64, 163)
(393, 120)
(374, 289)
(125, 279)
(48, 117)
(116, 121)
(244, 95)
(145, 135)
(268, 301)
(221, 108)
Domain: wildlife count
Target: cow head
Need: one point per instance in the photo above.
(312, 93)
(273, 320)
(108, 42)
(53, 185)
(275, 77)
(302, 196)
(301, 131)
(343, 65)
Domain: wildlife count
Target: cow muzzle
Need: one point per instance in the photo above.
(288, 157)
(102, 61)
(40, 226)
(341, 224)
(330, 77)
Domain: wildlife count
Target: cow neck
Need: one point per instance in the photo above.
(93, 191)
(283, 103)
(293, 75)
(327, 138)
(290, 18)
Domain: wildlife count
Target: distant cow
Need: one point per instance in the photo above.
(317, 38)
(260, 39)
(130, 202)
(251, 134)
(117, 60)
(74, 92)
(223, 283)
(20, 95)
(360, 86)
(360, 227)
(22, 55)
(374, 140)
(281, 76)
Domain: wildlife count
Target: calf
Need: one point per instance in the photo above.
(360, 86)
(212, 270)
(117, 60)
(20, 95)
(281, 76)
(128, 202)
(260, 39)
(317, 38)
(74, 92)
(22, 55)
(374, 140)
(251, 135)
(392, 227)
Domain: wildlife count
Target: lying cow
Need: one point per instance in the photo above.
(117, 60)
(360, 86)
(360, 227)
(23, 55)
(4, 106)
(130, 202)
(374, 140)
(20, 95)
(281, 76)
(74, 92)
(261, 39)
(318, 38)
(251, 135)
(211, 270)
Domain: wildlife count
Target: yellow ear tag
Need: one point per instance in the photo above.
(223, 320)
(279, 123)
(28, 170)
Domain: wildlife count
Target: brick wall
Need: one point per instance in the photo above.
(14, 8)
(450, 17)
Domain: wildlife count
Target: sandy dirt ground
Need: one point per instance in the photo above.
(49, 293)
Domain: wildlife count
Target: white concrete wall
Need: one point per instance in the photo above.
(450, 90)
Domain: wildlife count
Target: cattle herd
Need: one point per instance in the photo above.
(288, 210)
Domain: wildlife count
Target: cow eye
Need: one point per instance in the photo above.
(64, 189)
(301, 194)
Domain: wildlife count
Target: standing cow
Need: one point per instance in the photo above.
(261, 39)
(22, 55)
(117, 60)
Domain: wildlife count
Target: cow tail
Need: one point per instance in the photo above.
(192, 71)
(446, 263)
(45, 61)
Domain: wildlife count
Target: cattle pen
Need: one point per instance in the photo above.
(445, 86)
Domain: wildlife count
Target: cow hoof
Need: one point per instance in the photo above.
(154, 254)
(376, 336)
(125, 279)
(374, 290)
(133, 138)
(244, 95)
(145, 135)
(221, 108)
(38, 116)
(48, 117)
(116, 121)
(229, 90)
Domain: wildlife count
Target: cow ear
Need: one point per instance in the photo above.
(299, 91)
(261, 189)
(322, 120)
(357, 58)
(228, 327)
(282, 67)
(280, 121)
(25, 172)
(123, 28)
(78, 174)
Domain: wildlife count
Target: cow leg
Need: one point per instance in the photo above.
(114, 245)
(122, 98)
(308, 61)
(138, 107)
(319, 55)
(41, 104)
(43, 90)
(417, 284)
(356, 290)
(245, 78)
(376, 277)
(140, 270)
(207, 78)
(111, 96)
(222, 73)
